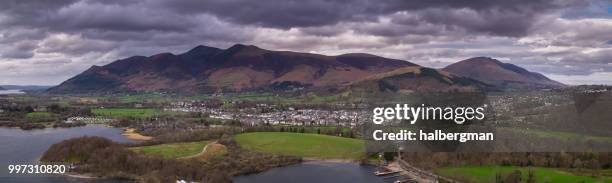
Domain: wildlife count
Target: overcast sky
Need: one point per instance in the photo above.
(47, 42)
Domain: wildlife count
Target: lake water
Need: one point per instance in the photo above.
(20, 146)
(316, 171)
(4, 92)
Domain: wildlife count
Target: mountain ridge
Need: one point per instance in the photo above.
(205, 69)
(237, 68)
(416, 79)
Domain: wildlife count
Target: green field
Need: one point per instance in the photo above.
(320, 99)
(303, 145)
(482, 174)
(38, 115)
(129, 112)
(173, 150)
(559, 134)
(145, 97)
(309, 98)
(322, 129)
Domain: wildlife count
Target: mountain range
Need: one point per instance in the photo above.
(239, 68)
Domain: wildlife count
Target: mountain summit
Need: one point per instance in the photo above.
(238, 68)
(504, 75)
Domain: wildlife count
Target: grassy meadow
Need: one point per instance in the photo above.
(302, 145)
(38, 115)
(484, 174)
(130, 112)
(173, 150)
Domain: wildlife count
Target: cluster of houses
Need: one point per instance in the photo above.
(303, 117)
(509, 103)
(269, 114)
(88, 120)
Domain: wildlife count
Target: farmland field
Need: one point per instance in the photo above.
(478, 174)
(129, 112)
(303, 145)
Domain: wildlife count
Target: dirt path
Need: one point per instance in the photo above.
(201, 152)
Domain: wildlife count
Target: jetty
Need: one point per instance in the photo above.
(403, 172)
(407, 180)
(385, 171)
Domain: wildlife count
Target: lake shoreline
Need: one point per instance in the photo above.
(332, 160)
(38, 142)
(130, 133)
(311, 170)
(11, 92)
(81, 176)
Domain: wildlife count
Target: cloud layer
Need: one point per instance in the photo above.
(46, 42)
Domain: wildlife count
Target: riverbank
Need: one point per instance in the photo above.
(130, 133)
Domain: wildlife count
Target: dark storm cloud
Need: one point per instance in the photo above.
(83, 15)
(511, 18)
(129, 22)
(496, 17)
(74, 34)
(19, 50)
(277, 14)
(23, 7)
(27, 12)
(8, 36)
(494, 22)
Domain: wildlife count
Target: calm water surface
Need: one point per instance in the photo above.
(19, 147)
(316, 171)
(25, 147)
(4, 92)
